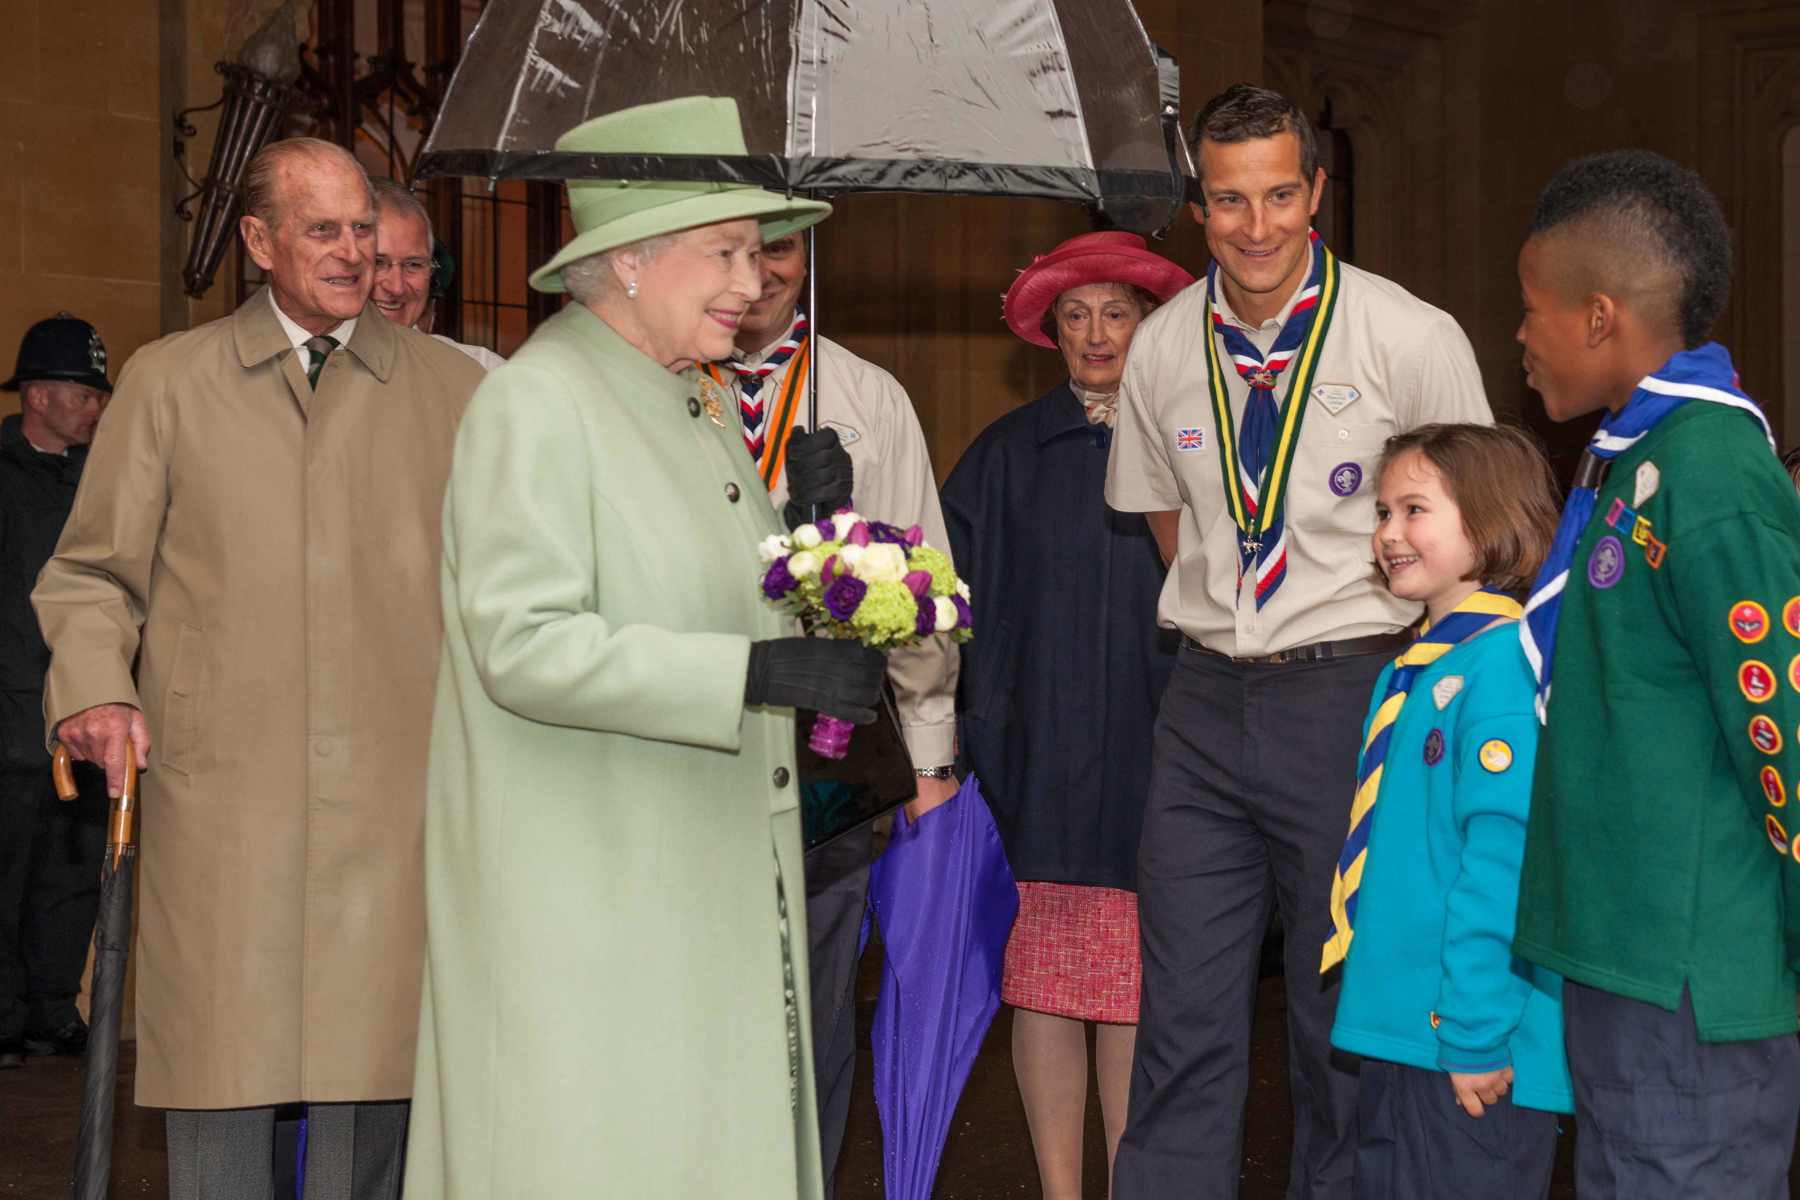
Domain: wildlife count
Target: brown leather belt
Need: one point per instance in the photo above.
(1375, 643)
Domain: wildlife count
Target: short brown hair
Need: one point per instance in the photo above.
(1500, 479)
(1244, 111)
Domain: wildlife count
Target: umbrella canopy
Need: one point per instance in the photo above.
(945, 900)
(1057, 99)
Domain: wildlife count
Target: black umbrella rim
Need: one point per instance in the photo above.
(824, 177)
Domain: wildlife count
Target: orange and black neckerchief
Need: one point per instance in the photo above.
(793, 387)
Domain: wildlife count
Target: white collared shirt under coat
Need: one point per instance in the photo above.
(267, 556)
(876, 422)
(1390, 363)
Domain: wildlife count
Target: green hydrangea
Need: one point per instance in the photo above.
(888, 614)
(943, 575)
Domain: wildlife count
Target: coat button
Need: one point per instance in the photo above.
(781, 776)
(731, 492)
(693, 407)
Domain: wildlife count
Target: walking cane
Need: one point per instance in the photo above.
(112, 942)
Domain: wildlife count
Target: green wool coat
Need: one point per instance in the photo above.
(1661, 850)
(607, 826)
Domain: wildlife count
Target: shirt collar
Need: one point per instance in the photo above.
(299, 337)
(1223, 305)
(1061, 415)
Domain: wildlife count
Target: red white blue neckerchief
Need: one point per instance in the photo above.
(1255, 459)
(1704, 373)
(752, 406)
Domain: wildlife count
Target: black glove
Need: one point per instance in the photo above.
(819, 476)
(841, 679)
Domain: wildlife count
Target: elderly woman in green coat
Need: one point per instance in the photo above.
(615, 908)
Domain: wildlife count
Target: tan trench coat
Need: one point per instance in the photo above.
(278, 548)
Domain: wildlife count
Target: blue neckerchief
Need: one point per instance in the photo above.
(1704, 373)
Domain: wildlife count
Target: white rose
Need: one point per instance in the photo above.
(962, 589)
(803, 565)
(844, 522)
(883, 563)
(807, 536)
(946, 614)
(852, 554)
(771, 548)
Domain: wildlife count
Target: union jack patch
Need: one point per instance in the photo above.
(1190, 437)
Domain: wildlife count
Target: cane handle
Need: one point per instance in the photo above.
(62, 773)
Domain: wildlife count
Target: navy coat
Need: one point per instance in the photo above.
(1061, 683)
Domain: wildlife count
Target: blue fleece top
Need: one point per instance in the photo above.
(1431, 980)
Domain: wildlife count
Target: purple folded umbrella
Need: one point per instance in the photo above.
(945, 900)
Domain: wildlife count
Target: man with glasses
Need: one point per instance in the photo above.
(403, 266)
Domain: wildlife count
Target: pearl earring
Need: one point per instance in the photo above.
(631, 290)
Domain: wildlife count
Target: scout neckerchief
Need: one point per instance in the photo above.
(751, 403)
(1255, 460)
(1705, 373)
(769, 445)
(1461, 623)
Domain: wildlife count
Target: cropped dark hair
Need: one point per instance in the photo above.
(1640, 203)
(1244, 111)
(1500, 479)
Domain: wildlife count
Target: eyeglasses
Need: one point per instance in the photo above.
(412, 268)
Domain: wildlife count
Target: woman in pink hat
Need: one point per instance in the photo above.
(1060, 687)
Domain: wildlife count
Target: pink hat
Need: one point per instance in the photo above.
(1110, 257)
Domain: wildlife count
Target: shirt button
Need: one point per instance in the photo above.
(693, 407)
(780, 777)
(322, 747)
(731, 492)
(1343, 435)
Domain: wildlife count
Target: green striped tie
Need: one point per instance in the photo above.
(320, 349)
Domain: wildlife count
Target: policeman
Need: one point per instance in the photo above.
(49, 851)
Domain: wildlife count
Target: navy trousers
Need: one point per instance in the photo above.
(1661, 1115)
(1253, 770)
(1417, 1143)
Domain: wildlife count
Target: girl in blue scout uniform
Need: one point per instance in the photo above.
(1462, 1042)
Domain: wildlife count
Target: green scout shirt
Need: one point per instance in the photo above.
(1662, 849)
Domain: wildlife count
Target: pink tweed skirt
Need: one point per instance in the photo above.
(1074, 953)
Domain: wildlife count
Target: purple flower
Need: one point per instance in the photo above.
(778, 581)
(914, 536)
(859, 534)
(844, 594)
(891, 534)
(827, 531)
(830, 568)
(964, 618)
(917, 582)
(926, 621)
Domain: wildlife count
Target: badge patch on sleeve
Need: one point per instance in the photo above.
(1790, 616)
(1189, 438)
(1495, 755)
(1756, 681)
(1774, 791)
(1765, 735)
(1434, 747)
(1445, 689)
(1778, 836)
(1794, 672)
(1749, 622)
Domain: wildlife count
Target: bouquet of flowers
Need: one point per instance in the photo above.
(850, 577)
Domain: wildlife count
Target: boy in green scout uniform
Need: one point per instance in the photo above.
(1662, 866)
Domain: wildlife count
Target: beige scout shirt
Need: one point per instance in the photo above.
(1390, 363)
(877, 425)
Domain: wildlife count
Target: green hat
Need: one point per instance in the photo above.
(617, 212)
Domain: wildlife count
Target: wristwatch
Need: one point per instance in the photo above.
(935, 772)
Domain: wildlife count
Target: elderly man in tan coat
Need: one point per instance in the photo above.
(258, 531)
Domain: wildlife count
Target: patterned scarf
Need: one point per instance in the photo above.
(1102, 408)
(1705, 373)
(1259, 433)
(751, 405)
(1461, 623)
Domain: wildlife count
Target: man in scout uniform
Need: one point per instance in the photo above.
(872, 418)
(247, 591)
(1662, 857)
(1254, 407)
(49, 851)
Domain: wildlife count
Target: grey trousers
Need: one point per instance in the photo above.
(353, 1152)
(1252, 771)
(834, 913)
(1661, 1115)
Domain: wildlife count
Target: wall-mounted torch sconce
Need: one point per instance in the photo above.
(258, 88)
